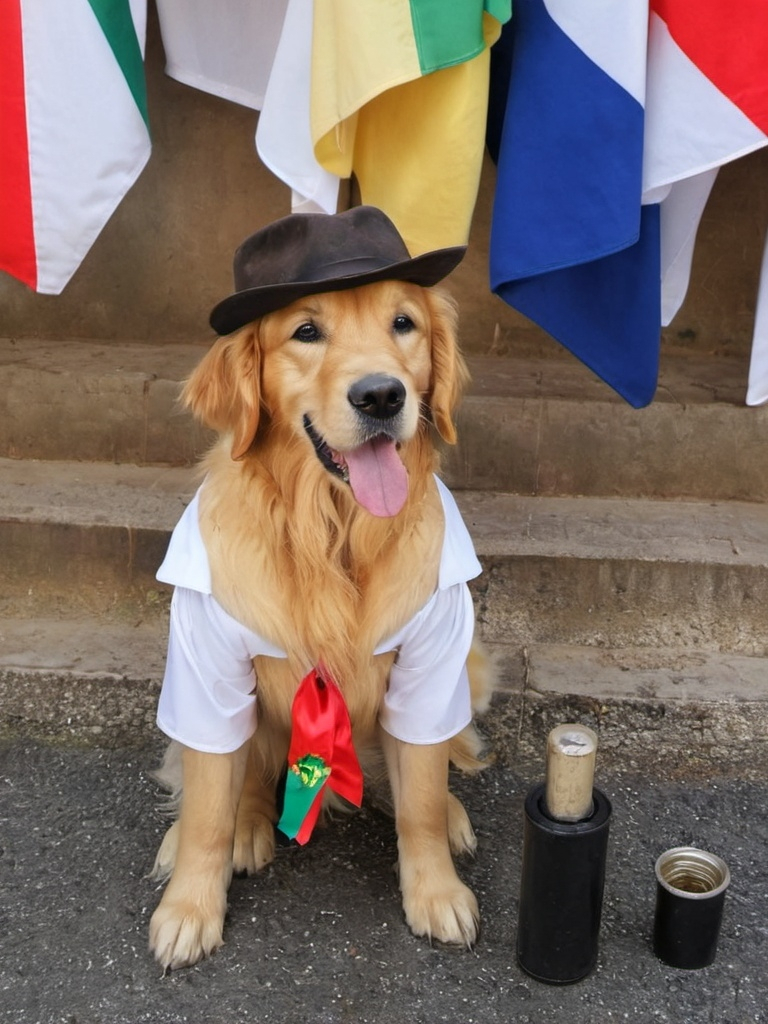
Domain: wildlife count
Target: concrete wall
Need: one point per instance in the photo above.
(164, 259)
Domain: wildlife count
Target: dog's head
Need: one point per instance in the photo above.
(352, 374)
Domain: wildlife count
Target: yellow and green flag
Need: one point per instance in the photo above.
(399, 96)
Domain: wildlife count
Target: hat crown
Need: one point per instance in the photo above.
(307, 253)
(317, 247)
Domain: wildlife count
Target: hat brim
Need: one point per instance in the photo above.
(245, 306)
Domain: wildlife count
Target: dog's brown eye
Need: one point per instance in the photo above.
(402, 324)
(307, 332)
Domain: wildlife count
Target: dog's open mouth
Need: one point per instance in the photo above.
(373, 470)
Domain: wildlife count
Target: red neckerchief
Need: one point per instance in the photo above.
(321, 752)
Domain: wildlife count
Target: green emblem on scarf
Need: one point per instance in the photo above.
(304, 781)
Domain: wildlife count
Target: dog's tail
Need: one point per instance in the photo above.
(169, 777)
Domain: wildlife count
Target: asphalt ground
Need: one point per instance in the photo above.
(319, 936)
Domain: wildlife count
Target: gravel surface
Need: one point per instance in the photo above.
(320, 937)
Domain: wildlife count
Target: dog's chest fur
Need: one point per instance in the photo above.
(322, 579)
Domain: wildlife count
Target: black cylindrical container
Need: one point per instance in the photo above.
(561, 890)
(690, 893)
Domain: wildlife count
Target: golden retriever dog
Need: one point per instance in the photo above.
(323, 526)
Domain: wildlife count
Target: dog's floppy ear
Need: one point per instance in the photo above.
(224, 390)
(449, 371)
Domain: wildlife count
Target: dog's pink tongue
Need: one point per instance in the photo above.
(378, 478)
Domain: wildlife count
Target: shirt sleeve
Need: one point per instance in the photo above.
(186, 560)
(208, 700)
(428, 698)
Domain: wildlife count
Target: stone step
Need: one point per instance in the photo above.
(550, 428)
(689, 712)
(96, 401)
(618, 572)
(526, 426)
(685, 712)
(81, 679)
(86, 537)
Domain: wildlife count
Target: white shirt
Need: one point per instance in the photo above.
(208, 702)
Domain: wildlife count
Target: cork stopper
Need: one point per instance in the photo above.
(571, 753)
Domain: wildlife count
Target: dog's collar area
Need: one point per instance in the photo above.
(332, 461)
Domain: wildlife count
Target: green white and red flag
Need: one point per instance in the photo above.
(74, 132)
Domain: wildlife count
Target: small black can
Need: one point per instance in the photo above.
(690, 894)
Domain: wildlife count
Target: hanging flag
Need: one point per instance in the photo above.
(74, 132)
(706, 104)
(224, 48)
(571, 246)
(283, 134)
(577, 244)
(395, 94)
(757, 387)
(707, 95)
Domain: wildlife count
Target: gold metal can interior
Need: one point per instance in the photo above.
(692, 873)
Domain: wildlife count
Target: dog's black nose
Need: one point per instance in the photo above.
(378, 395)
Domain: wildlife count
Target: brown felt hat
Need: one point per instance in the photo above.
(308, 253)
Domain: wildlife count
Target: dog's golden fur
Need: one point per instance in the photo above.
(296, 558)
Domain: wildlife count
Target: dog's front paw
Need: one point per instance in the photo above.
(254, 844)
(183, 931)
(448, 913)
